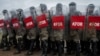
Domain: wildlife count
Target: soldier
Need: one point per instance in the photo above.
(41, 18)
(53, 42)
(20, 31)
(46, 12)
(57, 34)
(5, 33)
(33, 13)
(86, 39)
(97, 13)
(31, 34)
(11, 34)
(73, 35)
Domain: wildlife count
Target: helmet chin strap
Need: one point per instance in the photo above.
(43, 8)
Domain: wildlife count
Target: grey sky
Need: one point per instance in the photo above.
(15, 4)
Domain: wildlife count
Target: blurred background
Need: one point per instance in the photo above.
(15, 4)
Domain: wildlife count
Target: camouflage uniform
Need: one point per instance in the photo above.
(20, 32)
(31, 35)
(57, 36)
(43, 32)
(97, 13)
(74, 36)
(88, 39)
(7, 38)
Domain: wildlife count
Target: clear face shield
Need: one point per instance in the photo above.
(72, 8)
(6, 15)
(33, 12)
(13, 14)
(38, 11)
(43, 8)
(59, 9)
(90, 9)
(20, 14)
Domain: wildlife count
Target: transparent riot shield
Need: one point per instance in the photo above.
(87, 38)
(9, 37)
(74, 35)
(58, 26)
(30, 27)
(97, 13)
(11, 34)
(18, 25)
(42, 23)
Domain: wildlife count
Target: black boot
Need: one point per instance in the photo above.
(77, 49)
(59, 48)
(30, 51)
(87, 48)
(54, 48)
(94, 49)
(68, 47)
(5, 44)
(98, 47)
(37, 47)
(18, 51)
(44, 47)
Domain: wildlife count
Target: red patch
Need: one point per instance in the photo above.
(29, 23)
(58, 22)
(77, 22)
(42, 21)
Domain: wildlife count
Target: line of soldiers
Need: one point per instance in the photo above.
(34, 29)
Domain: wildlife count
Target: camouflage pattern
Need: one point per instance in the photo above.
(44, 31)
(21, 31)
(44, 34)
(73, 34)
(90, 10)
(10, 30)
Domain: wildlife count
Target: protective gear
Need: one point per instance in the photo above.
(74, 35)
(43, 27)
(57, 33)
(31, 29)
(88, 37)
(10, 36)
(18, 25)
(33, 13)
(97, 13)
